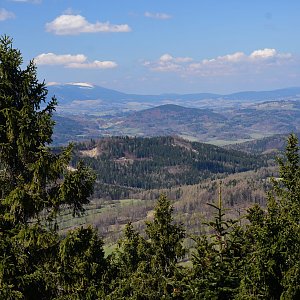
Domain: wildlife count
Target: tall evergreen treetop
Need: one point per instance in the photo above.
(34, 184)
(24, 126)
(165, 238)
(272, 268)
(32, 177)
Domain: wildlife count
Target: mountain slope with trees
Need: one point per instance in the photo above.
(158, 162)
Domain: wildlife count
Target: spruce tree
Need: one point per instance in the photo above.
(272, 268)
(217, 258)
(146, 268)
(165, 238)
(34, 182)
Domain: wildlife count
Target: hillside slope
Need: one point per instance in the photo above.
(123, 164)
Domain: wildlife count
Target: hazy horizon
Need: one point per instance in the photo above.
(90, 85)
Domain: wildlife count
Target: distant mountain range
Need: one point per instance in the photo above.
(67, 93)
(234, 125)
(87, 111)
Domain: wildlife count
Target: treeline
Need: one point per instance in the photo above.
(123, 163)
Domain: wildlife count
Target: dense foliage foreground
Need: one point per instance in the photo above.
(256, 260)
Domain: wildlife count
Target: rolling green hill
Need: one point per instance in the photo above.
(124, 164)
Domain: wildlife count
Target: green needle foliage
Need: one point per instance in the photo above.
(217, 258)
(81, 265)
(34, 183)
(272, 268)
(164, 238)
(146, 268)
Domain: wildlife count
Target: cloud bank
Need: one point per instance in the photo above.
(77, 24)
(78, 61)
(229, 64)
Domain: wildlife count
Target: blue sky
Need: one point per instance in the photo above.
(159, 46)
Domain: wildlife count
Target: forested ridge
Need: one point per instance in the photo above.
(157, 162)
(252, 257)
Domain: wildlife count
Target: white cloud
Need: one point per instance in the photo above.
(78, 61)
(235, 57)
(5, 14)
(94, 65)
(76, 24)
(54, 59)
(264, 53)
(160, 16)
(268, 54)
(166, 57)
(229, 64)
(168, 63)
